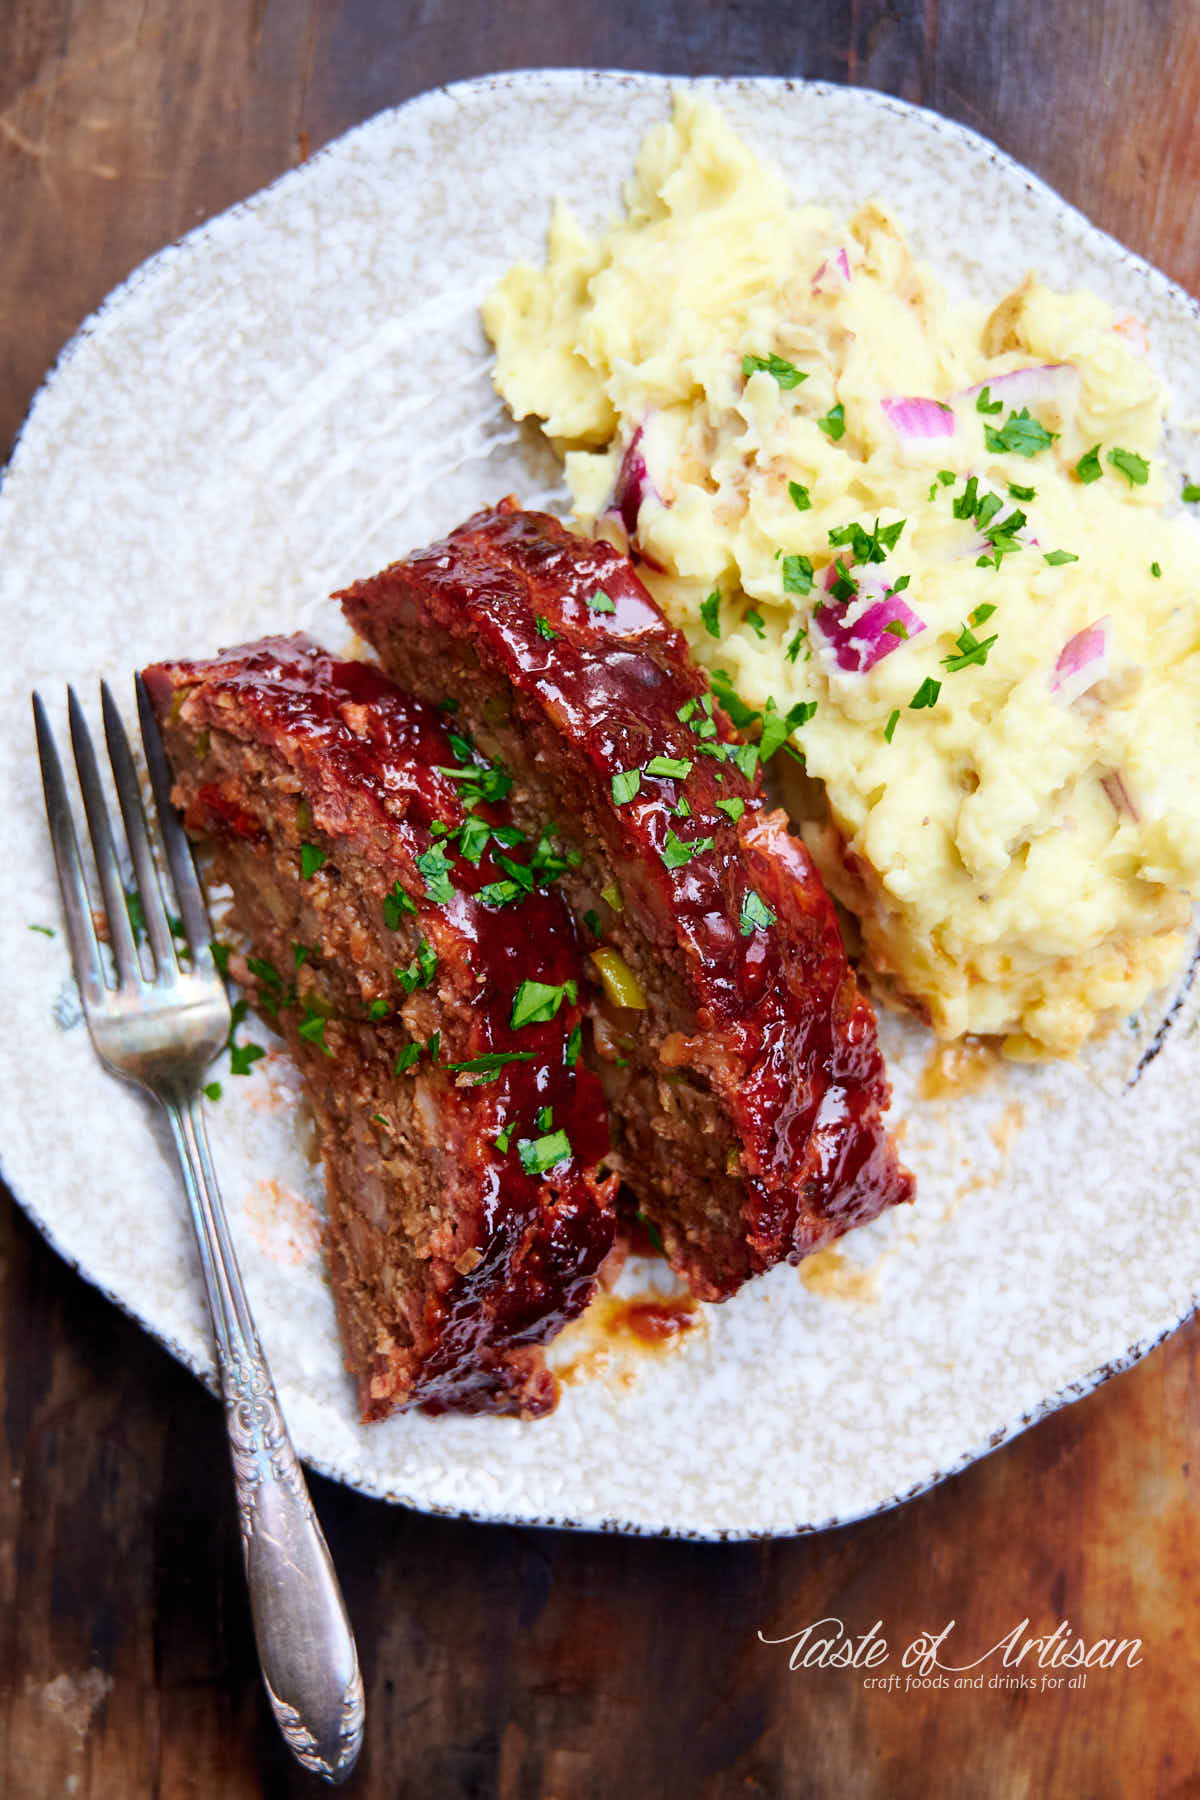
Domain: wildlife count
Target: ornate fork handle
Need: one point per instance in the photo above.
(305, 1644)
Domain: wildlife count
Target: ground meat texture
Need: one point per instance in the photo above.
(354, 831)
(739, 1056)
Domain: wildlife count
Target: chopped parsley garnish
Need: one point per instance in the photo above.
(48, 931)
(834, 423)
(675, 852)
(545, 1118)
(900, 583)
(1156, 570)
(733, 809)
(536, 1002)
(220, 955)
(778, 727)
(312, 1029)
(797, 575)
(683, 810)
(410, 1055)
(1088, 467)
(312, 858)
(265, 971)
(710, 613)
(479, 782)
(378, 1009)
(574, 1045)
(754, 620)
(502, 1138)
(738, 711)
(395, 905)
(970, 650)
(985, 403)
(625, 785)
(926, 694)
(545, 629)
(946, 477)
(867, 546)
(1133, 467)
(1056, 557)
(434, 865)
(212, 1090)
(1191, 492)
(755, 915)
(1021, 493)
(379, 1118)
(793, 649)
(591, 919)
(896, 628)
(300, 955)
(677, 766)
(845, 587)
(799, 496)
(785, 373)
(500, 893)
(490, 1066)
(242, 1057)
(546, 864)
(745, 758)
(473, 837)
(965, 503)
(434, 1045)
(420, 971)
(539, 1154)
(1002, 536)
(599, 602)
(1021, 434)
(889, 730)
(987, 509)
(982, 613)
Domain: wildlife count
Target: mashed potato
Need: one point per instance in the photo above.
(927, 539)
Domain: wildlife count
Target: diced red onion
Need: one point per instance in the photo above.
(1082, 662)
(915, 417)
(830, 270)
(857, 629)
(632, 485)
(1118, 793)
(1021, 387)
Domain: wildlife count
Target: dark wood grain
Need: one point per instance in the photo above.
(528, 1664)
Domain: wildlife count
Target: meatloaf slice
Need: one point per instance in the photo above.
(438, 1032)
(740, 1058)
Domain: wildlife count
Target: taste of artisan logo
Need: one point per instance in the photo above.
(1058, 1659)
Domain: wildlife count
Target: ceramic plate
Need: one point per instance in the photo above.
(295, 395)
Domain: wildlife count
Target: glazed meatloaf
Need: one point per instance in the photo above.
(745, 1082)
(438, 1031)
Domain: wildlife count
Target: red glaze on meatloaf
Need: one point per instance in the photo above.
(739, 1055)
(360, 837)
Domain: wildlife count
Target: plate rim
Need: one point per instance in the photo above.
(162, 259)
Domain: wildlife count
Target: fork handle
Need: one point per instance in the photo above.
(305, 1644)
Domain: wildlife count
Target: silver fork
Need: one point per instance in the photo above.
(163, 1034)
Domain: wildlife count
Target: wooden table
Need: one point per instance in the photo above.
(523, 1663)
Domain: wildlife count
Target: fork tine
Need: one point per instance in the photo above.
(129, 795)
(81, 928)
(85, 951)
(120, 932)
(179, 854)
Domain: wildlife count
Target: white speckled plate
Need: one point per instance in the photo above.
(293, 396)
